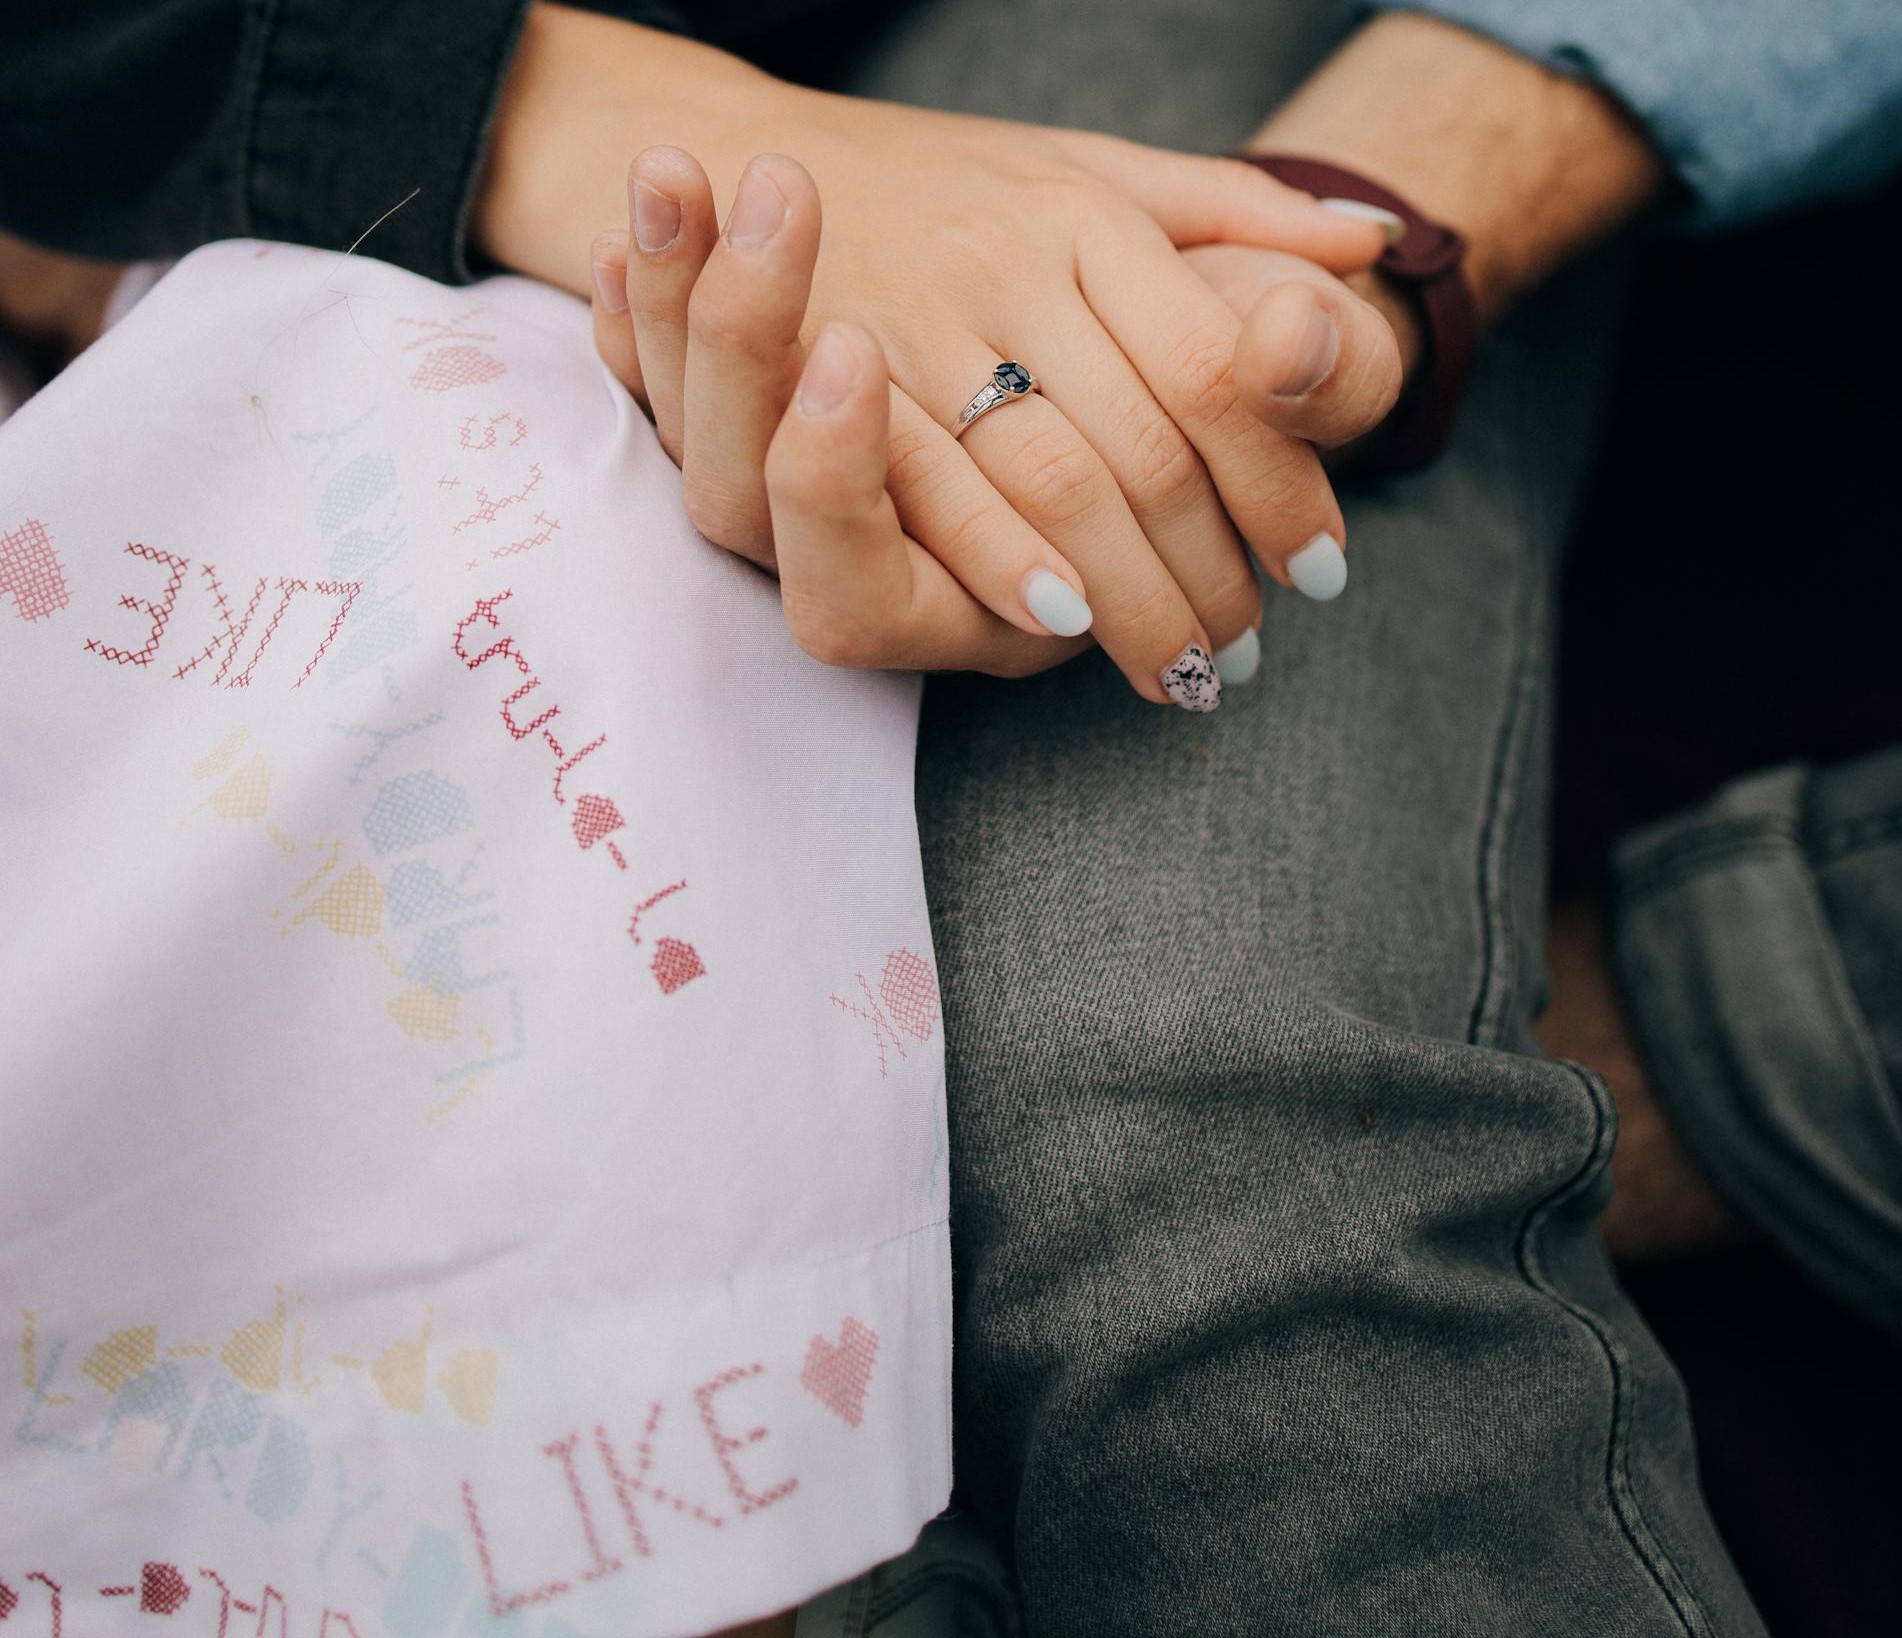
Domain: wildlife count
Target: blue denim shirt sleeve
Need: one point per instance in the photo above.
(1757, 105)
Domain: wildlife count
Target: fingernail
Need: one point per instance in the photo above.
(610, 277)
(1391, 224)
(1190, 679)
(656, 218)
(1319, 569)
(1240, 660)
(1311, 360)
(1054, 604)
(758, 209)
(830, 374)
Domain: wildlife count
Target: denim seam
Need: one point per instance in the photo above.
(891, 1597)
(1662, 875)
(266, 12)
(1644, 1543)
(1496, 972)
(857, 1619)
(1707, 833)
(472, 163)
(1847, 836)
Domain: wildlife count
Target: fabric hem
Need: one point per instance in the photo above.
(1650, 1552)
(1755, 1039)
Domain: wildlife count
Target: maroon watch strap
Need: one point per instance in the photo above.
(1427, 260)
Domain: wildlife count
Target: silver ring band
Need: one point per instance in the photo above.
(1008, 382)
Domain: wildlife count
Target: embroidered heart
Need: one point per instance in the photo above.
(162, 1589)
(839, 1374)
(468, 1383)
(910, 994)
(401, 1372)
(675, 964)
(445, 368)
(30, 572)
(595, 817)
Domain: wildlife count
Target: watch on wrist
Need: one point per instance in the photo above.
(1427, 262)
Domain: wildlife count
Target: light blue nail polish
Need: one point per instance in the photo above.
(1239, 660)
(1054, 604)
(1319, 569)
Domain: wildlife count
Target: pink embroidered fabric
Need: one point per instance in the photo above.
(472, 1149)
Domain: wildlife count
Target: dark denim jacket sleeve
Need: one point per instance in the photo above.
(129, 129)
(1756, 105)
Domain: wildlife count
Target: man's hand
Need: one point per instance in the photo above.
(1531, 167)
(1314, 359)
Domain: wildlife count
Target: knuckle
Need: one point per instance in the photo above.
(1139, 613)
(1275, 493)
(723, 517)
(1058, 480)
(657, 304)
(913, 462)
(1204, 376)
(833, 640)
(976, 238)
(1166, 471)
(815, 488)
(1233, 602)
(719, 321)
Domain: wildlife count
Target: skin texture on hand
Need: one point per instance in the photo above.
(810, 470)
(1281, 300)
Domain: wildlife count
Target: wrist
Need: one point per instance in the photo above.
(584, 94)
(1531, 168)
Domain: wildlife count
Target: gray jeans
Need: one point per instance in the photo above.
(1759, 945)
(1281, 1308)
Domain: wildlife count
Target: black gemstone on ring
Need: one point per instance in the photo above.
(1012, 378)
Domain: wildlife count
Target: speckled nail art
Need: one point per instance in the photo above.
(1191, 681)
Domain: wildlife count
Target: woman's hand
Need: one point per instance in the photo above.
(859, 589)
(808, 440)
(955, 243)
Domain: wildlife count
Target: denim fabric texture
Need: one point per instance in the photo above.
(1757, 106)
(952, 1584)
(130, 131)
(1759, 948)
(1281, 1309)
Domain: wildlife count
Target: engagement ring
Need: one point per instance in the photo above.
(1008, 381)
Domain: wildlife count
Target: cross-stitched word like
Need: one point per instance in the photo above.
(230, 634)
(634, 1484)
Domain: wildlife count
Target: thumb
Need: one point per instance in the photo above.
(1314, 361)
